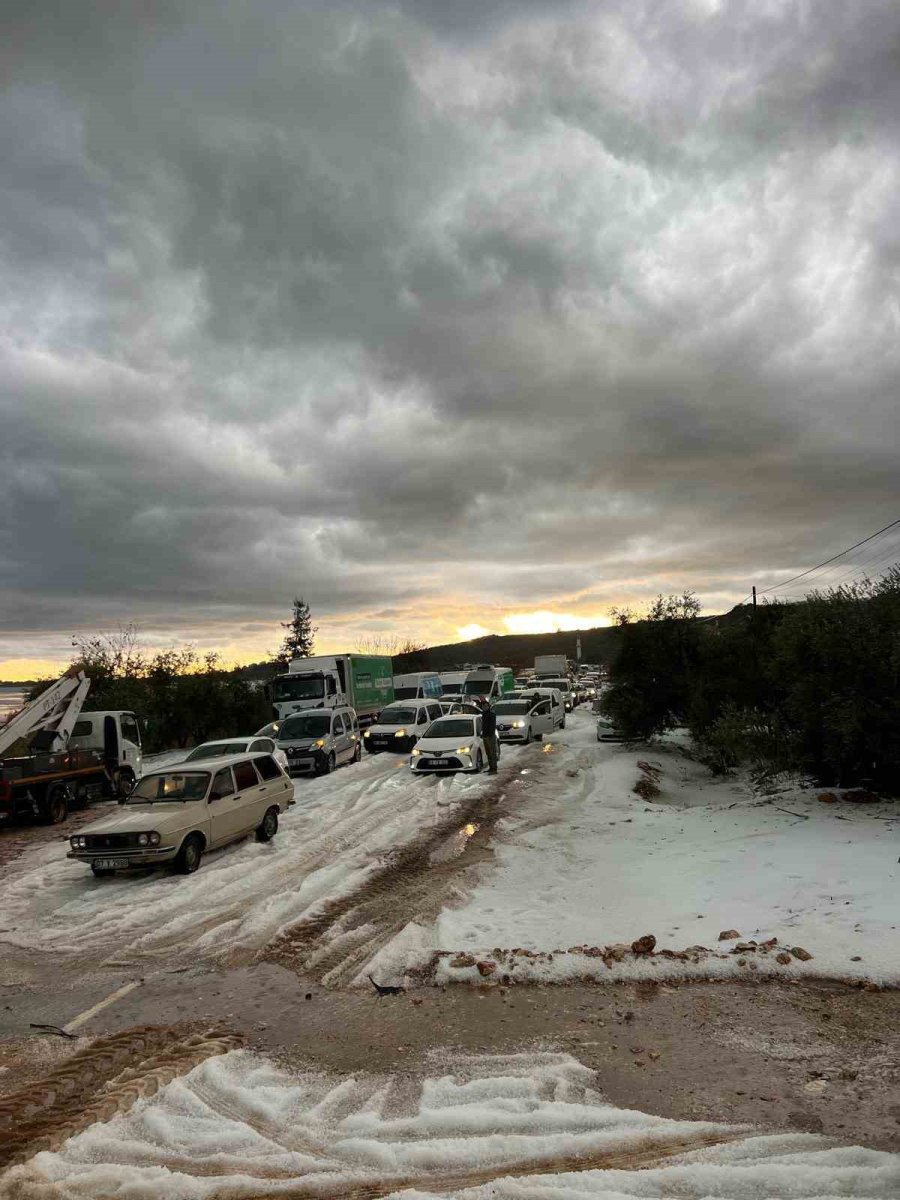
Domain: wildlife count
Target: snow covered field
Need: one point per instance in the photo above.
(524, 1125)
(339, 830)
(576, 863)
(587, 863)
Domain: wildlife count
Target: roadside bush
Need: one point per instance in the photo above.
(180, 697)
(812, 687)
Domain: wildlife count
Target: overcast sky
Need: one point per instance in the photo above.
(441, 313)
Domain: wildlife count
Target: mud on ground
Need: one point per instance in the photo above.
(813, 1056)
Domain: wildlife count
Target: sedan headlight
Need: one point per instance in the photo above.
(463, 749)
(77, 842)
(518, 724)
(400, 733)
(368, 733)
(148, 839)
(416, 752)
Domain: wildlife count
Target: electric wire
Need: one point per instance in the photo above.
(828, 561)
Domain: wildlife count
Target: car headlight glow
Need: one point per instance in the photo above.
(143, 839)
(77, 842)
(319, 743)
(155, 839)
(463, 749)
(518, 724)
(416, 753)
(400, 733)
(368, 733)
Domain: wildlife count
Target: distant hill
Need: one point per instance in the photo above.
(516, 650)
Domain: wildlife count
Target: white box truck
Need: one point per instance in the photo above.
(547, 666)
(364, 681)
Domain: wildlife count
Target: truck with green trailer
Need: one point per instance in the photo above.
(364, 681)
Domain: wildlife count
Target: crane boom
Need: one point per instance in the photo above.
(55, 710)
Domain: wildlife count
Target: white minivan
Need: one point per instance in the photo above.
(529, 716)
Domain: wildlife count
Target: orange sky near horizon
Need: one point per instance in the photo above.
(336, 637)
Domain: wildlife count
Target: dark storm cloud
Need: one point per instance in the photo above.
(530, 303)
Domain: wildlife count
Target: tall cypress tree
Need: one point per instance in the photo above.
(301, 633)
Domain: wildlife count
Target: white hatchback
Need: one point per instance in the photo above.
(453, 743)
(238, 745)
(525, 720)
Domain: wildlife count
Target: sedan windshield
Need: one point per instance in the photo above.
(451, 727)
(173, 785)
(299, 687)
(509, 707)
(216, 750)
(306, 725)
(398, 716)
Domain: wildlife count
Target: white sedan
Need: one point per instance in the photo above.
(238, 745)
(452, 743)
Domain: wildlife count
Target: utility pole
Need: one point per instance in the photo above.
(753, 589)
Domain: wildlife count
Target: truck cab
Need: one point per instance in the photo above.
(117, 734)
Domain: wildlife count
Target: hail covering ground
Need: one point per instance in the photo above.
(578, 860)
(576, 857)
(523, 1125)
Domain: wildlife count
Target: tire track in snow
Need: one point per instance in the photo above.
(335, 943)
(100, 1081)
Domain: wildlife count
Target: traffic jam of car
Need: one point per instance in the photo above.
(327, 712)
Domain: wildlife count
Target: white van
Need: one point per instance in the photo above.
(452, 682)
(419, 685)
(492, 682)
(553, 697)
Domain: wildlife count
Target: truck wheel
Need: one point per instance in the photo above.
(190, 855)
(55, 807)
(268, 826)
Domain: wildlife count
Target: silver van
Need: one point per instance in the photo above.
(319, 740)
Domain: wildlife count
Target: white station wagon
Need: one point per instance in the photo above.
(175, 815)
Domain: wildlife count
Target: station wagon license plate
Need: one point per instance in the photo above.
(109, 864)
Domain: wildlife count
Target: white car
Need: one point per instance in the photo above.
(527, 719)
(238, 745)
(400, 725)
(556, 699)
(453, 743)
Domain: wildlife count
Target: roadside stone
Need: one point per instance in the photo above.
(745, 948)
(654, 1054)
(799, 952)
(463, 960)
(784, 958)
(728, 935)
(644, 945)
(617, 952)
(486, 967)
(856, 958)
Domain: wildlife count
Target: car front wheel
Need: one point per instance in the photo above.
(190, 855)
(268, 826)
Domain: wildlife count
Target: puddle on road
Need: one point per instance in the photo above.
(455, 845)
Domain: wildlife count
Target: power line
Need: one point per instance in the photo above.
(833, 558)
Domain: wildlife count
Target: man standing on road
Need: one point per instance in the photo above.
(489, 735)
